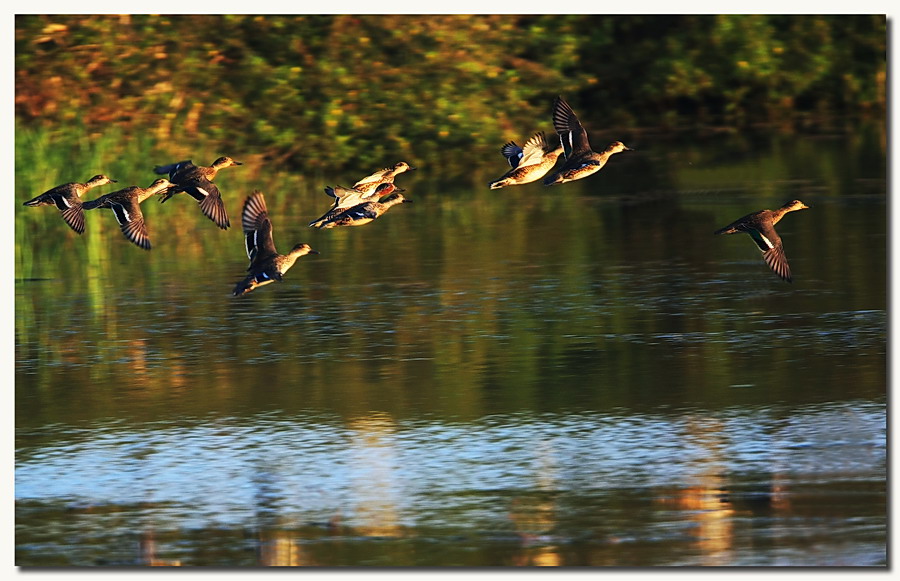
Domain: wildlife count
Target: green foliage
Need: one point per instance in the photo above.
(329, 92)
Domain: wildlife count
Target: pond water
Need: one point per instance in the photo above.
(575, 375)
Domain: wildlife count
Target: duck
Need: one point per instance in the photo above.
(266, 265)
(364, 213)
(126, 205)
(187, 167)
(369, 183)
(67, 199)
(529, 163)
(581, 160)
(761, 228)
(197, 182)
(346, 198)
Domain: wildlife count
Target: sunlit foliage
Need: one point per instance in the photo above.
(346, 91)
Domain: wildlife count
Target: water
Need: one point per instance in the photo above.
(577, 375)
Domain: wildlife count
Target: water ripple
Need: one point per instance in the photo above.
(318, 466)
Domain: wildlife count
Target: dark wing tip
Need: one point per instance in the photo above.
(254, 211)
(214, 209)
(777, 261)
(74, 217)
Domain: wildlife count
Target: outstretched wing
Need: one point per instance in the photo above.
(257, 227)
(74, 217)
(533, 150)
(131, 220)
(259, 243)
(345, 197)
(769, 243)
(206, 194)
(375, 178)
(777, 261)
(512, 152)
(572, 135)
(210, 199)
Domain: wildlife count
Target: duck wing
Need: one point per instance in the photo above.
(345, 197)
(74, 217)
(210, 199)
(572, 134)
(131, 221)
(361, 212)
(56, 196)
(769, 243)
(259, 244)
(533, 150)
(257, 227)
(777, 261)
(512, 152)
(375, 178)
(206, 194)
(175, 170)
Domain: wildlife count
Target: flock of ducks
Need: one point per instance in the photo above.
(368, 199)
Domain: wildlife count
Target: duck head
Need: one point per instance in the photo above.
(795, 205)
(225, 161)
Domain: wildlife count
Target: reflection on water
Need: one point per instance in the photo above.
(374, 484)
(579, 377)
(705, 496)
(549, 490)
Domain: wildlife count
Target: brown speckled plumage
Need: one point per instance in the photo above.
(67, 199)
(266, 265)
(581, 160)
(761, 228)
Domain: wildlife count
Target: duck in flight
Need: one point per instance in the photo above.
(126, 206)
(581, 160)
(365, 212)
(529, 163)
(67, 199)
(197, 182)
(761, 228)
(266, 265)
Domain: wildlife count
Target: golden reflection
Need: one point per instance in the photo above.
(279, 548)
(176, 373)
(705, 499)
(546, 557)
(136, 350)
(148, 550)
(375, 488)
(535, 517)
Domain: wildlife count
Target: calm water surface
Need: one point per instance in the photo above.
(578, 375)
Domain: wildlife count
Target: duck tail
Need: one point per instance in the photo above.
(726, 230)
(245, 286)
(317, 223)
